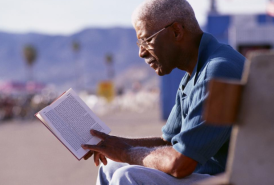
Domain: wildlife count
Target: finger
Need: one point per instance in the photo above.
(88, 155)
(96, 158)
(93, 148)
(98, 134)
(103, 159)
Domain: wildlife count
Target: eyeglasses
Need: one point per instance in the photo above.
(145, 43)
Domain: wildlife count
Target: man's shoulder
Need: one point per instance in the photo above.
(225, 62)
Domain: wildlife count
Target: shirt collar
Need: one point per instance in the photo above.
(208, 45)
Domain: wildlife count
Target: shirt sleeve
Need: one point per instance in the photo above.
(196, 139)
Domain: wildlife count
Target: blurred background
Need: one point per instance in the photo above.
(49, 46)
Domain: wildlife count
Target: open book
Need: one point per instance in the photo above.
(70, 120)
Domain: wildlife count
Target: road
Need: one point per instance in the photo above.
(31, 155)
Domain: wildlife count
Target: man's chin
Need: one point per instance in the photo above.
(159, 72)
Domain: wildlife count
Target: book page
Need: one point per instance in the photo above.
(71, 120)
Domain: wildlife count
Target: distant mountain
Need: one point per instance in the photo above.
(57, 63)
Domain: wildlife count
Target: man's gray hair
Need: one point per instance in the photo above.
(159, 13)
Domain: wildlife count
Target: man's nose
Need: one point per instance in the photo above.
(142, 51)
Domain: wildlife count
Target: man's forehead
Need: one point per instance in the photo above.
(141, 25)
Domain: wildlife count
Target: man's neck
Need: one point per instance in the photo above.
(192, 54)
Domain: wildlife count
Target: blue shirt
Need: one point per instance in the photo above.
(185, 128)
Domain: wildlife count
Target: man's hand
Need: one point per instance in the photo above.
(112, 147)
(97, 157)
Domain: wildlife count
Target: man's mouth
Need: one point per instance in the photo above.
(149, 61)
(152, 63)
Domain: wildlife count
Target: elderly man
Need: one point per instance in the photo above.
(189, 150)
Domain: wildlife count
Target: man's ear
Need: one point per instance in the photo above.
(178, 30)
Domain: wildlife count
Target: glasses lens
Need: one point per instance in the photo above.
(142, 43)
(139, 43)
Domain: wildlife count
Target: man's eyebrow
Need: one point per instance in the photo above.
(144, 37)
(141, 37)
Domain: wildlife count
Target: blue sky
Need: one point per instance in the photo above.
(69, 16)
